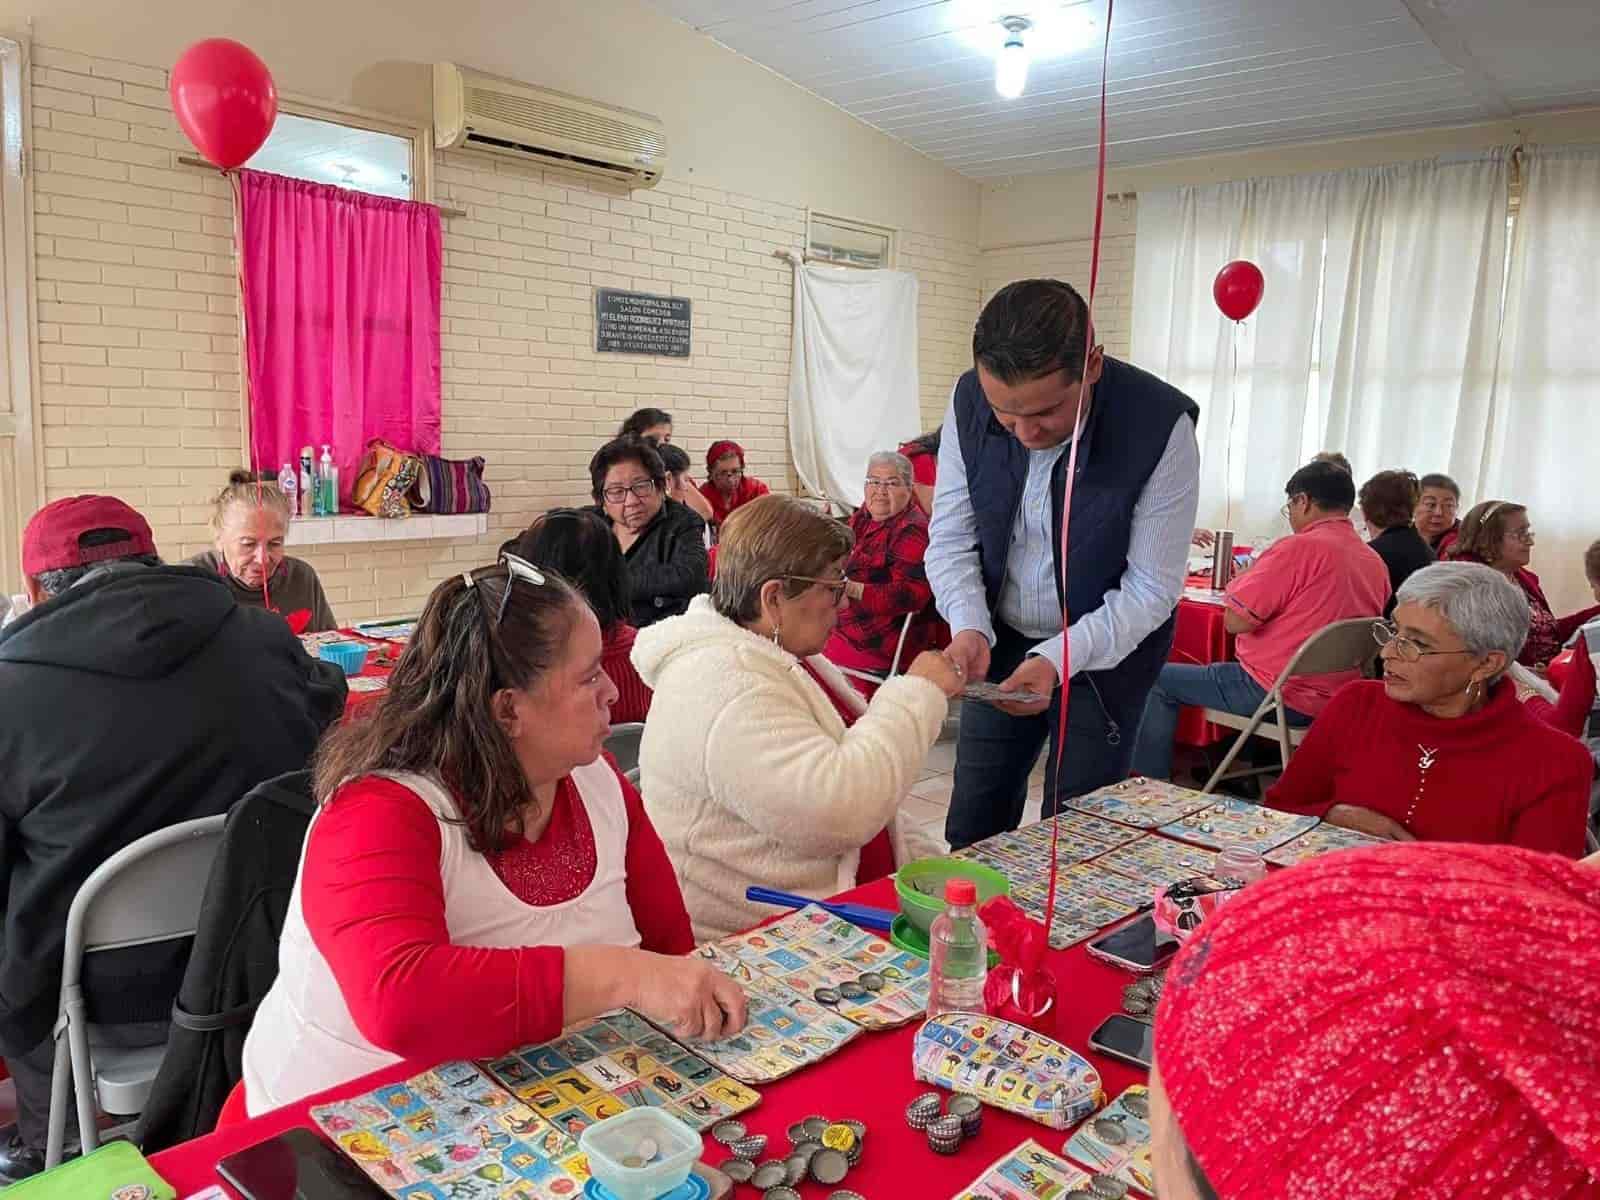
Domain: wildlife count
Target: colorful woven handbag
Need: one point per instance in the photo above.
(450, 485)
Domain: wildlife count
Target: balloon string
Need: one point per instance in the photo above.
(236, 184)
(1233, 412)
(1085, 399)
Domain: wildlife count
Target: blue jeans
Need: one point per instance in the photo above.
(996, 752)
(1226, 687)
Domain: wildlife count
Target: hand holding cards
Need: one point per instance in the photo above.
(993, 693)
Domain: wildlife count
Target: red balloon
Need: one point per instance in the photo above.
(225, 100)
(1237, 289)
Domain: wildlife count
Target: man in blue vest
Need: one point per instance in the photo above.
(994, 553)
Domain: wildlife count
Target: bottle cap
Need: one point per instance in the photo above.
(960, 891)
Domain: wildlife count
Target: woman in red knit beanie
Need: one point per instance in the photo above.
(1409, 1021)
(727, 486)
(1440, 750)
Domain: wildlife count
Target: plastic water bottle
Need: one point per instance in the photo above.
(288, 484)
(958, 947)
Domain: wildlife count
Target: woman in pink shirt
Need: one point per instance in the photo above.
(1324, 573)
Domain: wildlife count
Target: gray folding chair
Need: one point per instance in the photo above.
(1341, 646)
(147, 892)
(623, 744)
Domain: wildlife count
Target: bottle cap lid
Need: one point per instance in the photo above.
(960, 891)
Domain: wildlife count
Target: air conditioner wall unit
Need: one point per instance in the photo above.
(476, 111)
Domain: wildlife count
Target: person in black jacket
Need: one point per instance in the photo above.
(1387, 502)
(663, 542)
(135, 696)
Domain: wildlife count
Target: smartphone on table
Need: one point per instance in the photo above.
(297, 1165)
(1123, 1037)
(1134, 946)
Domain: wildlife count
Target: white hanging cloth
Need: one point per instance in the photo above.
(852, 374)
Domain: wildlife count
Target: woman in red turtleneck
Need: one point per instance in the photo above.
(727, 487)
(1441, 750)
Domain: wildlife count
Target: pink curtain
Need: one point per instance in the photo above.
(341, 302)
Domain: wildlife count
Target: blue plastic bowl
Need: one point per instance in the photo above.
(349, 657)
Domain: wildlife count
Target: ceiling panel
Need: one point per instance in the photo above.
(1184, 77)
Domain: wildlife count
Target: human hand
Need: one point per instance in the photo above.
(1365, 820)
(969, 650)
(939, 670)
(689, 996)
(1203, 538)
(855, 589)
(1037, 674)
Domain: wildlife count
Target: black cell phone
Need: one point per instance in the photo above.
(1125, 1038)
(1134, 946)
(297, 1165)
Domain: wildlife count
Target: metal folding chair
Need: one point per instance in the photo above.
(149, 891)
(623, 745)
(1341, 646)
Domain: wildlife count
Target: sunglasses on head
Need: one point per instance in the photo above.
(517, 568)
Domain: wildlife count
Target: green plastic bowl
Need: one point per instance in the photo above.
(920, 886)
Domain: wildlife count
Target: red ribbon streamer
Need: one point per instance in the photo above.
(1085, 398)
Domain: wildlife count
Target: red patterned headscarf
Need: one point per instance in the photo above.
(1418, 1020)
(721, 450)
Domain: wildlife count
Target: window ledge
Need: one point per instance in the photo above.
(321, 531)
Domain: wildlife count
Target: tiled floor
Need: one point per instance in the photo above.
(923, 812)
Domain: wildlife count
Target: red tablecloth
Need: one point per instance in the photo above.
(1200, 639)
(380, 661)
(869, 1080)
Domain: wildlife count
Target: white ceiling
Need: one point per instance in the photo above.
(1186, 76)
(325, 152)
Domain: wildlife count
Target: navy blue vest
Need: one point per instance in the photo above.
(1129, 425)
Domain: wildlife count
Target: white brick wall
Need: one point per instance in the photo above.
(1070, 261)
(138, 323)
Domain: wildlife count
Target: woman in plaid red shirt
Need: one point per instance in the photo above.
(887, 581)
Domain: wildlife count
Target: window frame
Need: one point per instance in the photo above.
(889, 233)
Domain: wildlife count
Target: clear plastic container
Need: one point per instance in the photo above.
(611, 1143)
(1236, 861)
(958, 952)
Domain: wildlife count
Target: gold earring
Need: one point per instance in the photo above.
(775, 629)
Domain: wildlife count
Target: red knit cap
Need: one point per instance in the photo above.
(1417, 1020)
(721, 450)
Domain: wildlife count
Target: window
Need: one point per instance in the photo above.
(848, 243)
(346, 155)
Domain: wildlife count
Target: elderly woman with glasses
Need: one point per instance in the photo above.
(887, 580)
(760, 764)
(1440, 749)
(477, 875)
(663, 543)
(727, 487)
(1497, 533)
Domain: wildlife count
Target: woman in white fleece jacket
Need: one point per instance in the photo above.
(747, 768)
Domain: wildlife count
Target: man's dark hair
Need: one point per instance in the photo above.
(1030, 329)
(1327, 486)
(53, 583)
(621, 450)
(645, 418)
(672, 457)
(577, 544)
(1440, 481)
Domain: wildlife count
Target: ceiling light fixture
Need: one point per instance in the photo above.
(1011, 68)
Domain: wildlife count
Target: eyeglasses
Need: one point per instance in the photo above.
(729, 476)
(1525, 536)
(837, 586)
(1385, 634)
(517, 568)
(882, 485)
(642, 488)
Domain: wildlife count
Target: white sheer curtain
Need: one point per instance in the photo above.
(1542, 450)
(1411, 315)
(1382, 283)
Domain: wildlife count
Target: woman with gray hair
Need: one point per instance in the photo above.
(759, 764)
(887, 579)
(1440, 749)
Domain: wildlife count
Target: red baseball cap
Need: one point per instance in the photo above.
(50, 542)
